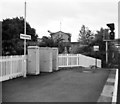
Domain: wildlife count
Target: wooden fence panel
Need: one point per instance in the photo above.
(12, 67)
(71, 60)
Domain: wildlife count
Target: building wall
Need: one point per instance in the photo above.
(61, 35)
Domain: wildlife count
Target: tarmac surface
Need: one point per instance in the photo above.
(71, 85)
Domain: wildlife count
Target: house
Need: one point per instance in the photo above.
(62, 37)
(65, 37)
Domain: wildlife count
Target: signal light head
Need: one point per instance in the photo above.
(111, 26)
(112, 35)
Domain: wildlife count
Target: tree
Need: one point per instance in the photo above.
(99, 40)
(11, 30)
(85, 36)
(85, 39)
(49, 42)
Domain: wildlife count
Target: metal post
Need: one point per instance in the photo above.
(25, 42)
(106, 52)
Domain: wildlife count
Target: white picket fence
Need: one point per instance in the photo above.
(71, 60)
(15, 66)
(12, 67)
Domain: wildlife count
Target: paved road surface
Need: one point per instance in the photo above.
(61, 86)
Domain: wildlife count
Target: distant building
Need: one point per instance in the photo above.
(66, 37)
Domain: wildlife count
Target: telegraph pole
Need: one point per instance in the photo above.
(25, 29)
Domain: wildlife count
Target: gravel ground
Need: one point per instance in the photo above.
(71, 85)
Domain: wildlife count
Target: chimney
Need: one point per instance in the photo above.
(49, 31)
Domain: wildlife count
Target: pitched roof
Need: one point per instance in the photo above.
(60, 32)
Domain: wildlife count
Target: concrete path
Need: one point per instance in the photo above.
(61, 86)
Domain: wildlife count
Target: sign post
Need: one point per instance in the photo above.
(28, 37)
(24, 36)
(25, 30)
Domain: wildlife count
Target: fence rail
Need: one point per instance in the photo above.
(71, 60)
(12, 67)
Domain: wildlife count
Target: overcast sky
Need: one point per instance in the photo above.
(44, 15)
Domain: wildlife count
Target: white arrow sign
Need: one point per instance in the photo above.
(23, 36)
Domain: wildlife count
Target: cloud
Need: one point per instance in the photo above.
(47, 14)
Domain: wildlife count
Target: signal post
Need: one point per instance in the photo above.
(109, 38)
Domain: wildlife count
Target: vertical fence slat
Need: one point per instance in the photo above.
(67, 57)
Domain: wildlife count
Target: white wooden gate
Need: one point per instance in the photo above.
(71, 60)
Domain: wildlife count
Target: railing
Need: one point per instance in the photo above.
(71, 60)
(12, 67)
